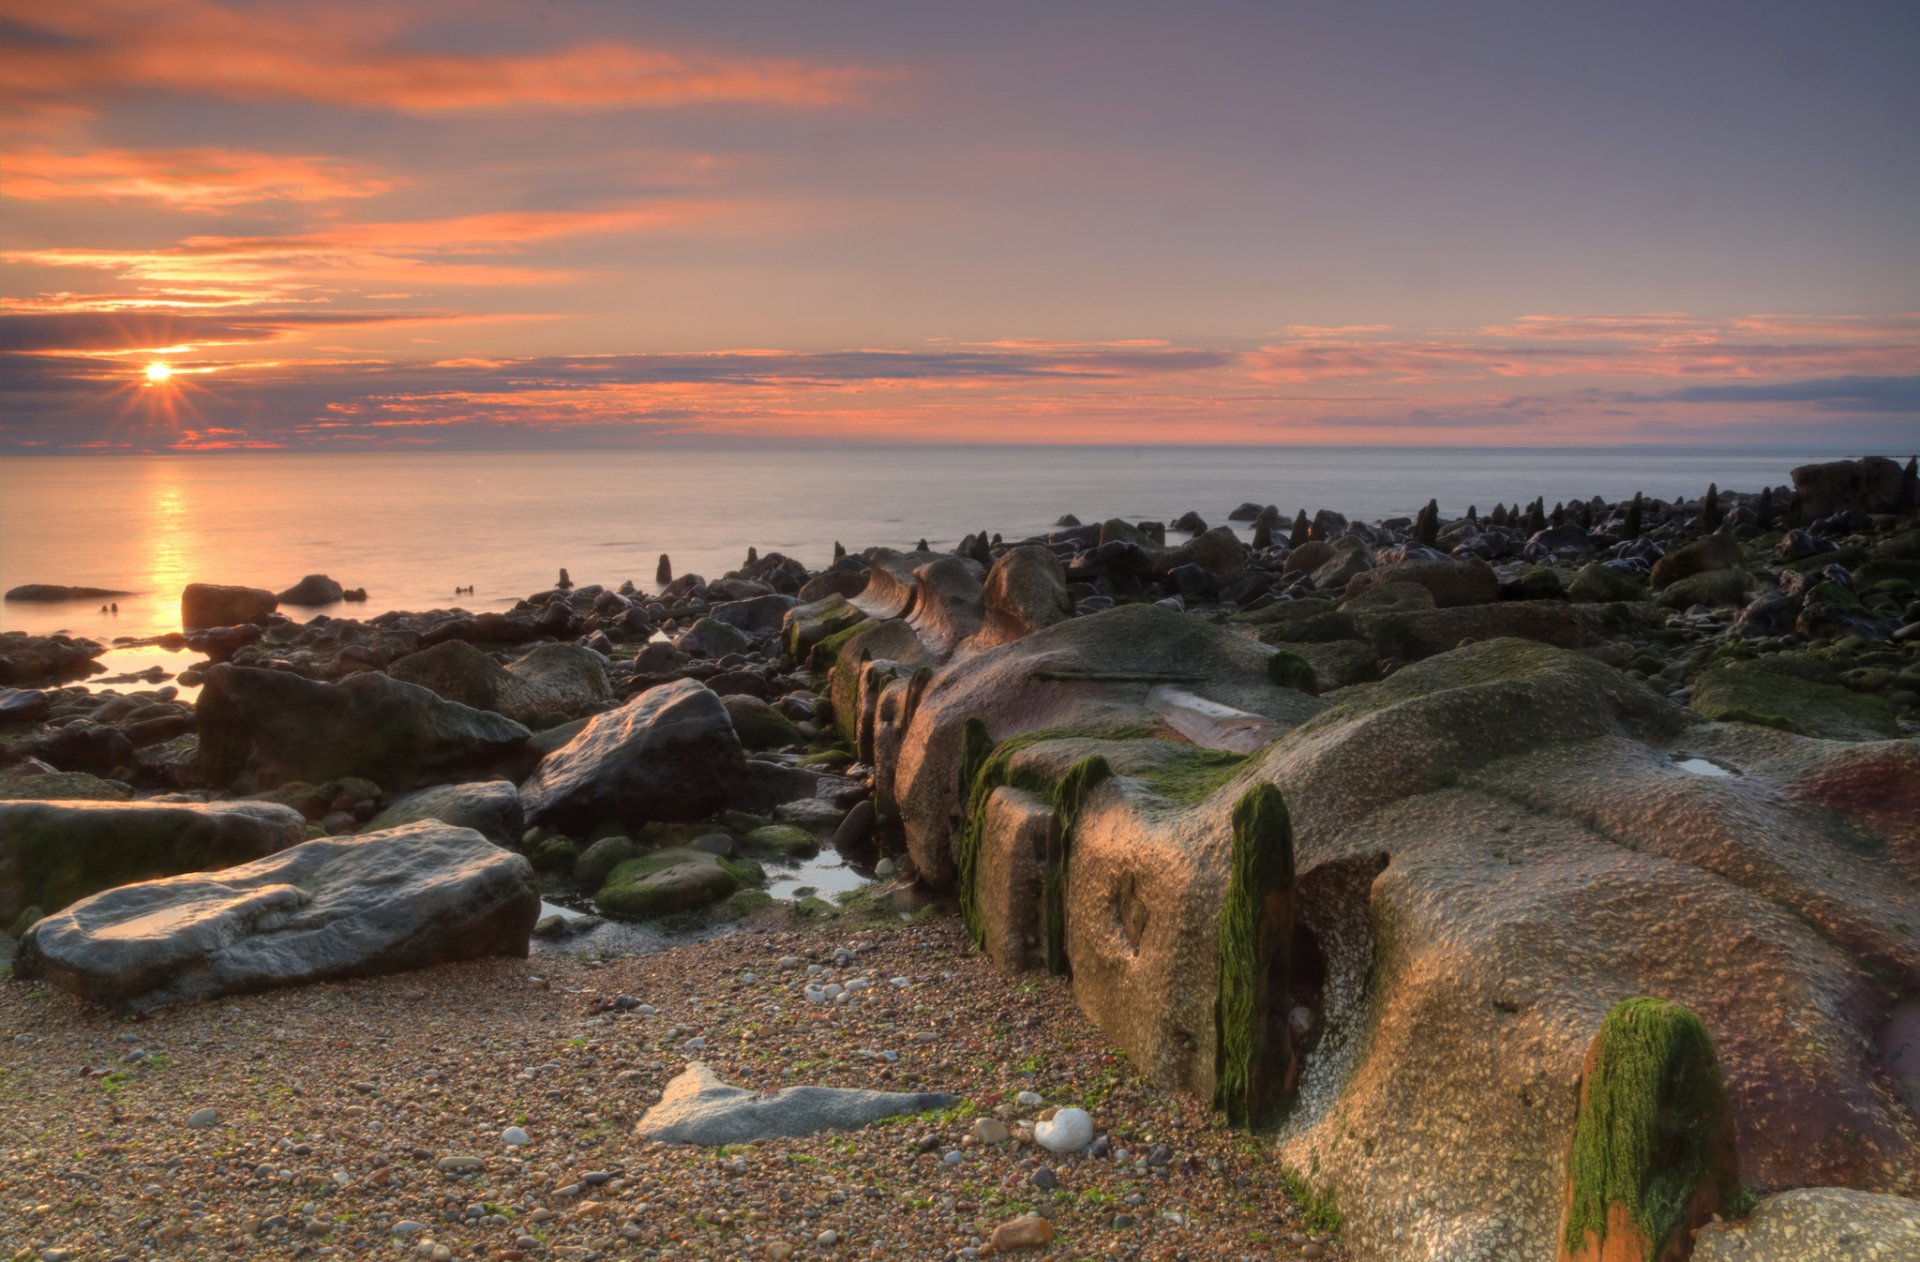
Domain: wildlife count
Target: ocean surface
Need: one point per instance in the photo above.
(411, 526)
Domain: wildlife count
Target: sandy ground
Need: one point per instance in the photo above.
(337, 1103)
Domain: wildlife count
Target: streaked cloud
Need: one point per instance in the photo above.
(203, 181)
(352, 56)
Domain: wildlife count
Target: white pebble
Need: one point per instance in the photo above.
(1029, 1100)
(1069, 1130)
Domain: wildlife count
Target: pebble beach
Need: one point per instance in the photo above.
(366, 1118)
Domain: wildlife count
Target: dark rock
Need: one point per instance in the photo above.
(314, 589)
(489, 807)
(53, 591)
(38, 659)
(212, 605)
(1872, 485)
(340, 907)
(53, 852)
(669, 754)
(268, 727)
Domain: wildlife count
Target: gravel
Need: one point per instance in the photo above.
(367, 1118)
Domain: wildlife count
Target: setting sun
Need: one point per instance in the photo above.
(159, 374)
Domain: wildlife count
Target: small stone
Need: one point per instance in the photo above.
(513, 1136)
(779, 1251)
(460, 1165)
(1044, 1179)
(1069, 1130)
(953, 1158)
(1029, 1100)
(827, 1238)
(1029, 1231)
(203, 1119)
(990, 1130)
(407, 1227)
(1313, 1251)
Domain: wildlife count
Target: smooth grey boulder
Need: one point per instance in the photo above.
(669, 754)
(489, 807)
(757, 615)
(382, 902)
(697, 1108)
(215, 605)
(53, 852)
(266, 727)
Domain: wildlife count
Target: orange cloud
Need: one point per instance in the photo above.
(182, 179)
(376, 251)
(338, 55)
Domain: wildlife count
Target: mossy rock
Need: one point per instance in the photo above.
(666, 881)
(1253, 1054)
(743, 822)
(759, 725)
(315, 800)
(1887, 570)
(1598, 583)
(556, 854)
(812, 908)
(1702, 556)
(833, 759)
(1795, 693)
(1287, 669)
(1716, 588)
(20, 785)
(743, 903)
(1538, 583)
(1653, 1153)
(25, 921)
(594, 867)
(1850, 557)
(782, 839)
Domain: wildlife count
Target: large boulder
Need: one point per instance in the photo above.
(1450, 583)
(489, 807)
(1025, 591)
(264, 727)
(382, 902)
(1816, 1225)
(1871, 485)
(46, 659)
(314, 589)
(1090, 675)
(1702, 556)
(809, 624)
(549, 679)
(214, 605)
(669, 754)
(53, 852)
(1484, 853)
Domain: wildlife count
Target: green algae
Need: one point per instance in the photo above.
(1251, 1051)
(1653, 1115)
(1068, 798)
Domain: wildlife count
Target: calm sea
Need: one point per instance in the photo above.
(409, 527)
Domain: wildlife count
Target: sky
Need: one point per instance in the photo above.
(593, 223)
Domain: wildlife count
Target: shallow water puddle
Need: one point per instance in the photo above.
(822, 876)
(1701, 766)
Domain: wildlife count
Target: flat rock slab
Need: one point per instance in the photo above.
(1817, 1225)
(697, 1108)
(381, 902)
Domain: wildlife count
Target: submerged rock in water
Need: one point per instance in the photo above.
(339, 907)
(215, 605)
(314, 589)
(697, 1108)
(53, 852)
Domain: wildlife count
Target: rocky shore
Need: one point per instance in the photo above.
(1367, 847)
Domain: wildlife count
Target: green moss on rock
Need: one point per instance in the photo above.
(1068, 798)
(593, 868)
(667, 881)
(1652, 1127)
(1290, 670)
(1795, 693)
(556, 854)
(1256, 926)
(782, 839)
